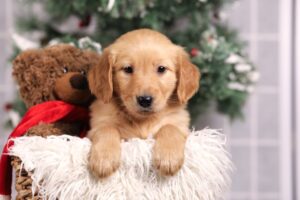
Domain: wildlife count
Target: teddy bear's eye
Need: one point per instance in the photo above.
(65, 70)
(83, 72)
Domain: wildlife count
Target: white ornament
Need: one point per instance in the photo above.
(233, 59)
(213, 43)
(23, 43)
(110, 5)
(253, 76)
(72, 44)
(236, 86)
(54, 41)
(243, 67)
(87, 43)
(232, 76)
(14, 117)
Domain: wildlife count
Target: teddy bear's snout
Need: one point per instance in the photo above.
(79, 82)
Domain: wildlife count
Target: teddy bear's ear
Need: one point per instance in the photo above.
(100, 77)
(28, 72)
(92, 57)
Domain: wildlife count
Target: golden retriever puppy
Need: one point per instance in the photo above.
(142, 84)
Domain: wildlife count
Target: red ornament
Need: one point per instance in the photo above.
(194, 52)
(85, 21)
(8, 107)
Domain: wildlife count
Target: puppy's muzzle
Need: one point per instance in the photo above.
(145, 101)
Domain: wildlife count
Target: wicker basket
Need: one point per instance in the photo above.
(23, 182)
(23, 179)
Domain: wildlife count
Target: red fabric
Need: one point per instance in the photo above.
(48, 112)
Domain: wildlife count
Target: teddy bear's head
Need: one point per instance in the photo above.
(57, 72)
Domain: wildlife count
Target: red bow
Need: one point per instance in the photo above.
(48, 112)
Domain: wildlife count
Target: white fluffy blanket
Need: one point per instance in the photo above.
(60, 169)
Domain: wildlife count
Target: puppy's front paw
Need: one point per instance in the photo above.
(167, 159)
(104, 161)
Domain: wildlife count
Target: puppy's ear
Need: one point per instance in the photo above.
(188, 77)
(100, 78)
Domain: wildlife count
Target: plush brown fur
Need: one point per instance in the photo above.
(38, 71)
(116, 114)
(46, 74)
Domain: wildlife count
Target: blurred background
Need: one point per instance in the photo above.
(263, 142)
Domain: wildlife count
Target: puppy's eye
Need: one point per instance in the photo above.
(65, 70)
(161, 69)
(83, 72)
(128, 69)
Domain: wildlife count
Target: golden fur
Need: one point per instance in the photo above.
(116, 114)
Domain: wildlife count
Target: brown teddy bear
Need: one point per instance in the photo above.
(55, 73)
(53, 84)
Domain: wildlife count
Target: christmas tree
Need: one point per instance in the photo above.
(227, 74)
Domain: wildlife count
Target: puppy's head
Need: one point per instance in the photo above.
(146, 72)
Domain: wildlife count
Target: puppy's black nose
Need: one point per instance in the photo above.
(144, 101)
(79, 82)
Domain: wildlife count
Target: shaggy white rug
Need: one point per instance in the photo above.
(60, 169)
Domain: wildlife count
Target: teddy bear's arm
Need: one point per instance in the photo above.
(58, 128)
